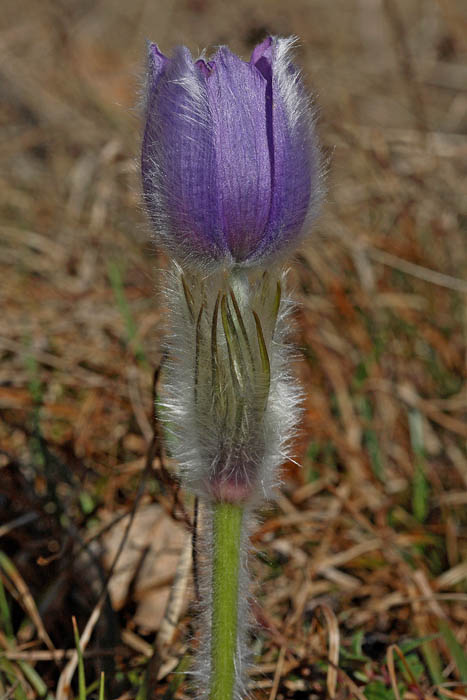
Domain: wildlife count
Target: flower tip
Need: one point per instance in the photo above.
(226, 59)
(205, 67)
(156, 60)
(154, 50)
(261, 50)
(155, 53)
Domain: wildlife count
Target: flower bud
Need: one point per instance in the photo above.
(230, 162)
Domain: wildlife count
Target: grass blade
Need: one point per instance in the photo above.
(102, 686)
(116, 281)
(81, 676)
(5, 617)
(458, 654)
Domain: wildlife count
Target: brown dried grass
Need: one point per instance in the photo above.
(372, 530)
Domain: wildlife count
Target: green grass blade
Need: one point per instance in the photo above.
(116, 281)
(11, 674)
(420, 483)
(33, 678)
(5, 617)
(81, 676)
(433, 662)
(179, 676)
(102, 686)
(458, 654)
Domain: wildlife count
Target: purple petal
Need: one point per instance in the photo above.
(237, 97)
(294, 159)
(204, 66)
(156, 63)
(230, 163)
(179, 164)
(261, 50)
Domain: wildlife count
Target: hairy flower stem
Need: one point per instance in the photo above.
(227, 534)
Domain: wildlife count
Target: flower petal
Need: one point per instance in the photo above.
(237, 96)
(179, 164)
(156, 64)
(260, 50)
(295, 160)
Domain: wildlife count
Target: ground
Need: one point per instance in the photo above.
(360, 564)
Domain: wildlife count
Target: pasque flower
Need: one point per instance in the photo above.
(230, 164)
(231, 182)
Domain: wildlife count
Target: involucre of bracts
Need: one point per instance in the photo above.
(229, 403)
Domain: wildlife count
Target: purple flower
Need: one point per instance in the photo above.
(230, 163)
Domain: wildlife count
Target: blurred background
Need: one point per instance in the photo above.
(360, 565)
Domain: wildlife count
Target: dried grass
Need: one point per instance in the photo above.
(372, 530)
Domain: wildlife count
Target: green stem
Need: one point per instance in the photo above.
(227, 530)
